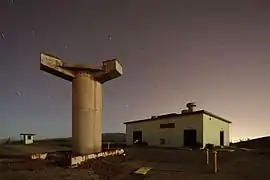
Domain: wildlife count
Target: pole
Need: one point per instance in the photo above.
(207, 156)
(215, 162)
(108, 146)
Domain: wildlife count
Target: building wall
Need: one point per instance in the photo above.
(174, 137)
(212, 128)
(28, 141)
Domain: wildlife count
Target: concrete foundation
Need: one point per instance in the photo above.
(77, 160)
(39, 156)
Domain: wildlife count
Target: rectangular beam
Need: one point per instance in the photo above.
(52, 65)
(112, 69)
(81, 67)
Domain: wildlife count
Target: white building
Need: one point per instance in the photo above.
(189, 128)
(27, 138)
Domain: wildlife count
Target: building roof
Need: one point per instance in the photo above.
(153, 118)
(27, 134)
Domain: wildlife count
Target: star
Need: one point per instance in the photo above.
(18, 93)
(110, 37)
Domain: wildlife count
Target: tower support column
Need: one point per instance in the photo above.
(98, 121)
(86, 114)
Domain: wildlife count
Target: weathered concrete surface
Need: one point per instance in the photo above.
(77, 160)
(53, 65)
(39, 156)
(98, 116)
(86, 118)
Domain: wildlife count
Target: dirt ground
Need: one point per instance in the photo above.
(165, 164)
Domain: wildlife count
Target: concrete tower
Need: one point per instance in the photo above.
(86, 98)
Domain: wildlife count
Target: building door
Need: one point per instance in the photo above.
(137, 137)
(221, 138)
(24, 139)
(190, 137)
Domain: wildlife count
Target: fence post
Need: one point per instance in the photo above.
(207, 156)
(215, 168)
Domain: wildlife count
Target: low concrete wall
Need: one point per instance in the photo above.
(39, 156)
(77, 160)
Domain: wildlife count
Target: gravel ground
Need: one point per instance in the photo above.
(165, 164)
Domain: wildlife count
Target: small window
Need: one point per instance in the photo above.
(162, 141)
(29, 137)
(168, 125)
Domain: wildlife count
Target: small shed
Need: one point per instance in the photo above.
(27, 138)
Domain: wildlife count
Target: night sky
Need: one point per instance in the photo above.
(216, 53)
